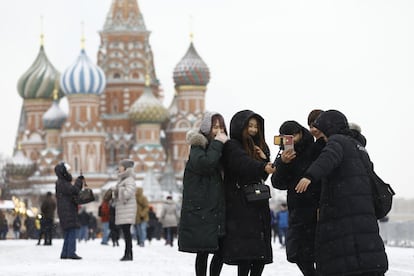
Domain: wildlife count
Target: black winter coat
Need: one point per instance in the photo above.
(248, 231)
(67, 209)
(347, 240)
(202, 212)
(300, 240)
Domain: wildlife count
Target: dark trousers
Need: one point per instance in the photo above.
(126, 230)
(307, 268)
(216, 264)
(254, 267)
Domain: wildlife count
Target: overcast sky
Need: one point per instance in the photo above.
(278, 58)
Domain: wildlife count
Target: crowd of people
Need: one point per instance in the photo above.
(326, 224)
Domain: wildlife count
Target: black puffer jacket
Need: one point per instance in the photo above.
(202, 211)
(348, 240)
(67, 209)
(248, 233)
(300, 243)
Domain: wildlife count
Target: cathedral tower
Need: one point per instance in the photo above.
(83, 135)
(191, 76)
(123, 53)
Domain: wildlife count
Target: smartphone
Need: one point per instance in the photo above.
(284, 141)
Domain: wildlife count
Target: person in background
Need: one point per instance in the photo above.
(200, 232)
(4, 227)
(319, 137)
(125, 203)
(48, 209)
(67, 209)
(274, 224)
(17, 225)
(246, 159)
(141, 221)
(347, 236)
(153, 223)
(114, 230)
(282, 217)
(92, 226)
(104, 214)
(169, 220)
(83, 233)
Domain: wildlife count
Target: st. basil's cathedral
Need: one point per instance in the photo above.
(114, 112)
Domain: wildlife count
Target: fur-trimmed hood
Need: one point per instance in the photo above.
(195, 138)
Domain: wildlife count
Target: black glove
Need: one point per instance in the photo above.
(81, 177)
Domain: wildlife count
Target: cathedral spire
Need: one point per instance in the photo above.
(124, 15)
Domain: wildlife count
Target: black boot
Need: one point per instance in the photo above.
(127, 256)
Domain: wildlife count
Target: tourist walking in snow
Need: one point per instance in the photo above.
(347, 237)
(17, 225)
(169, 220)
(125, 203)
(246, 159)
(141, 221)
(200, 231)
(67, 209)
(104, 214)
(48, 209)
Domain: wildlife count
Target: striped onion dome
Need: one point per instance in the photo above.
(83, 77)
(20, 166)
(191, 70)
(39, 80)
(54, 117)
(148, 109)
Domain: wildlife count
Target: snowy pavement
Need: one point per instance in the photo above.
(24, 257)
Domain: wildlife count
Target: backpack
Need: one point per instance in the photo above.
(382, 193)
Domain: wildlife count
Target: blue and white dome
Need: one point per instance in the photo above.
(83, 77)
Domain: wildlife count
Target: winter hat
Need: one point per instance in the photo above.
(127, 163)
(205, 125)
(331, 122)
(290, 128)
(354, 126)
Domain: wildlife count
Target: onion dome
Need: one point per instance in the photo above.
(191, 70)
(38, 81)
(83, 77)
(147, 108)
(20, 166)
(54, 117)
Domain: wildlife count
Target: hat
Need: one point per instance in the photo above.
(355, 127)
(331, 122)
(127, 163)
(205, 126)
(290, 128)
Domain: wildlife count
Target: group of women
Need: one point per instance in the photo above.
(333, 229)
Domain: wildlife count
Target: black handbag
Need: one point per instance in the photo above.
(256, 191)
(85, 195)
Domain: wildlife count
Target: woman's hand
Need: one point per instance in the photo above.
(288, 155)
(269, 169)
(260, 152)
(222, 137)
(302, 185)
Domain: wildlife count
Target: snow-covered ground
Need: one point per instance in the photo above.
(24, 257)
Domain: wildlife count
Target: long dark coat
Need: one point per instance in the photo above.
(248, 231)
(202, 213)
(347, 239)
(67, 209)
(300, 241)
